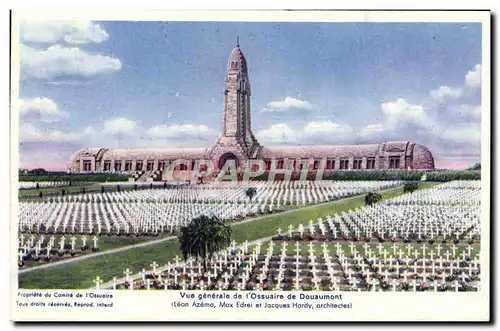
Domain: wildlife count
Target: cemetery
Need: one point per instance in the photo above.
(153, 213)
(428, 240)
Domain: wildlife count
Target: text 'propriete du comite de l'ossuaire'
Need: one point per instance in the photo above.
(64, 299)
(260, 300)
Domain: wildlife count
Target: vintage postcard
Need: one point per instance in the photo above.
(250, 166)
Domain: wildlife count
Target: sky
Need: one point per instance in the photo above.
(160, 84)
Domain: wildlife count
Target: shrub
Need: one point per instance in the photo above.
(410, 187)
(372, 198)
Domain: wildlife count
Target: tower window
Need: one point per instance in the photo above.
(234, 65)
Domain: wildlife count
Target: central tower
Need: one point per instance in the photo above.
(236, 136)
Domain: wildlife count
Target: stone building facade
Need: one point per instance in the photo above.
(237, 144)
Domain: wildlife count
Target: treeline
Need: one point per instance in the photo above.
(449, 175)
(55, 177)
(434, 176)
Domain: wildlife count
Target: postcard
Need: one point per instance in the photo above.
(250, 166)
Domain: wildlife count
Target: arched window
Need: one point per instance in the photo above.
(234, 65)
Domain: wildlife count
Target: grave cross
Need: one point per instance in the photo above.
(394, 248)
(424, 249)
(97, 282)
(154, 265)
(73, 243)
(127, 273)
(438, 248)
(469, 250)
(456, 286)
(394, 285)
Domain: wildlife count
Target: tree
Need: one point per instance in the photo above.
(203, 237)
(251, 192)
(476, 166)
(372, 198)
(410, 187)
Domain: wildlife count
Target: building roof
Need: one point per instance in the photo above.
(237, 55)
(155, 153)
(320, 151)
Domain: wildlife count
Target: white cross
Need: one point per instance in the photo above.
(394, 248)
(226, 277)
(154, 265)
(97, 281)
(438, 248)
(469, 250)
(352, 247)
(424, 249)
(456, 286)
(414, 284)
(394, 285)
(409, 246)
(127, 273)
(454, 249)
(355, 282)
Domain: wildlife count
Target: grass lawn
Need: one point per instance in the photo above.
(104, 243)
(77, 187)
(81, 274)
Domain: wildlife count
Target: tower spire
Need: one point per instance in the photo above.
(237, 41)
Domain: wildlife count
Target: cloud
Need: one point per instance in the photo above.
(279, 133)
(465, 111)
(59, 61)
(185, 131)
(325, 127)
(40, 109)
(29, 133)
(400, 112)
(401, 120)
(445, 91)
(287, 104)
(462, 133)
(120, 127)
(314, 132)
(473, 78)
(75, 32)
